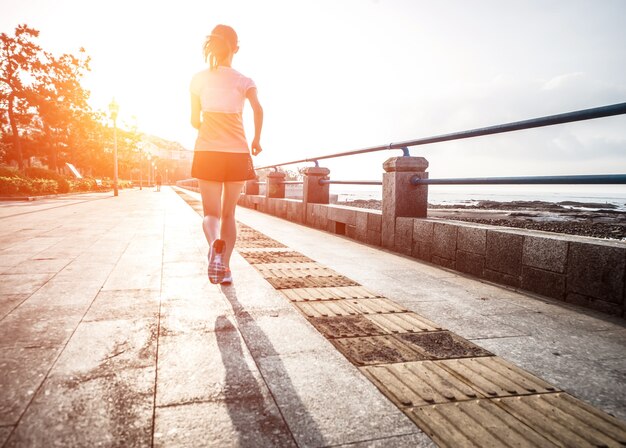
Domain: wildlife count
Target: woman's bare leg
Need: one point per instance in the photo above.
(211, 193)
(228, 229)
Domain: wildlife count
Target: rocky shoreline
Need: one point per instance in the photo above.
(597, 220)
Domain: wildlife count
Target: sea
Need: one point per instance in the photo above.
(590, 197)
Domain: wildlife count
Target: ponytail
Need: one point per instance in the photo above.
(219, 45)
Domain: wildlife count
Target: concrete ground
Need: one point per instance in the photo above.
(111, 335)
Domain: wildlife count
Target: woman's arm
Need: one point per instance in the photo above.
(252, 96)
(195, 111)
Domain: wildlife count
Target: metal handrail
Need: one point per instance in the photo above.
(589, 179)
(583, 179)
(569, 117)
(284, 182)
(350, 182)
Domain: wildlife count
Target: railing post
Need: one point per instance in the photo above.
(312, 191)
(400, 197)
(252, 186)
(275, 186)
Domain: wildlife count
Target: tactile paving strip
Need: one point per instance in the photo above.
(258, 242)
(403, 323)
(345, 326)
(434, 382)
(550, 420)
(443, 345)
(376, 306)
(566, 421)
(289, 271)
(274, 257)
(310, 282)
(326, 308)
(419, 383)
(329, 293)
(494, 377)
(376, 350)
(475, 422)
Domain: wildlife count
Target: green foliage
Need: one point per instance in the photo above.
(10, 185)
(7, 171)
(43, 98)
(14, 185)
(44, 186)
(63, 185)
(84, 184)
(20, 66)
(40, 173)
(44, 113)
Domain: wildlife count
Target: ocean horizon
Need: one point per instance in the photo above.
(611, 195)
(614, 195)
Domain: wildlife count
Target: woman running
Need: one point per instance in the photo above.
(222, 161)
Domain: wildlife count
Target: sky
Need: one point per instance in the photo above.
(339, 75)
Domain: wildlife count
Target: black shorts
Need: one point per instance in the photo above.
(222, 166)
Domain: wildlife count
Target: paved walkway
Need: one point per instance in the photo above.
(110, 334)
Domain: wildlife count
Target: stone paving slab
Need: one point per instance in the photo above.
(69, 410)
(196, 367)
(128, 344)
(251, 422)
(327, 402)
(22, 371)
(502, 320)
(145, 351)
(9, 301)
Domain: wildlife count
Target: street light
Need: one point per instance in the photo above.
(149, 156)
(140, 175)
(114, 108)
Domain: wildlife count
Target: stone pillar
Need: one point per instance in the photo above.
(400, 197)
(312, 191)
(275, 188)
(252, 186)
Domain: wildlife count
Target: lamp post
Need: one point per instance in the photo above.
(114, 108)
(149, 156)
(140, 175)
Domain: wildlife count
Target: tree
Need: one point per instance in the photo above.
(20, 63)
(128, 150)
(41, 98)
(86, 142)
(61, 101)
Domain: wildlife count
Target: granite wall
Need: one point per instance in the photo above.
(585, 271)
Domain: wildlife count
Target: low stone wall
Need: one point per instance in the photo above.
(290, 209)
(189, 184)
(580, 270)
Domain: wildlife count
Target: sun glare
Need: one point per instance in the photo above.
(337, 76)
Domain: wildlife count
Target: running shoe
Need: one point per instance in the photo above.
(228, 277)
(217, 270)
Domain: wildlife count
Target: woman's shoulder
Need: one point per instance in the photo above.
(244, 81)
(219, 72)
(236, 73)
(201, 74)
(220, 77)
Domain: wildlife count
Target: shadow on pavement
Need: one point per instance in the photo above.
(233, 369)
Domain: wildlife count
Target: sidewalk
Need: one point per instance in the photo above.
(111, 335)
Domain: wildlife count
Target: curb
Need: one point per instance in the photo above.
(46, 196)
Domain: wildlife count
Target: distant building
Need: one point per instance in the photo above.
(169, 158)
